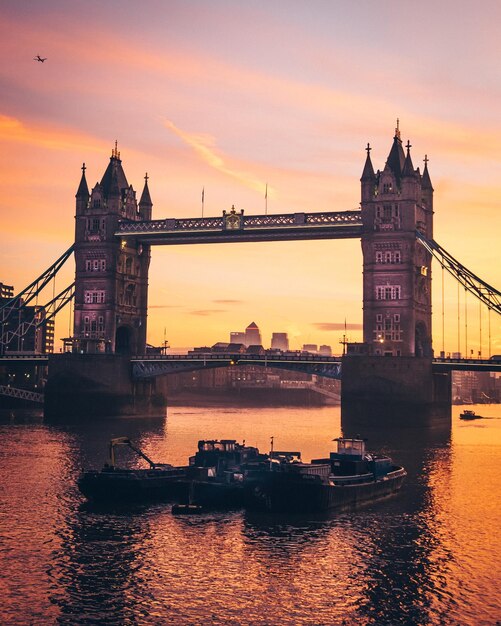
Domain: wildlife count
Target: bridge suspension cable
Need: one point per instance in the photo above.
(487, 294)
(39, 315)
(34, 289)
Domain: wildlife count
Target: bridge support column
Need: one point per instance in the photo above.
(392, 391)
(99, 385)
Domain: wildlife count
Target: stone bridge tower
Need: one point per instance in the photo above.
(396, 267)
(111, 290)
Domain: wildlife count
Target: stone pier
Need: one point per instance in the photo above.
(97, 385)
(393, 391)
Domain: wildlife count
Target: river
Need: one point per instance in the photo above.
(431, 555)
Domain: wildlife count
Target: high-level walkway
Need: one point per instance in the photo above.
(237, 227)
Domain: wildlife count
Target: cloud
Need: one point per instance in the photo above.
(164, 306)
(204, 146)
(327, 326)
(205, 312)
(49, 137)
(228, 301)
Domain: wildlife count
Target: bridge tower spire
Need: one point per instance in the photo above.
(396, 202)
(111, 282)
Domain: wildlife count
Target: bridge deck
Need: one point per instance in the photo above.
(438, 364)
(282, 227)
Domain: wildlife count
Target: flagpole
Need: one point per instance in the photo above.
(203, 200)
(266, 200)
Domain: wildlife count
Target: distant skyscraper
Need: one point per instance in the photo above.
(252, 335)
(310, 347)
(20, 327)
(325, 350)
(279, 341)
(237, 337)
(6, 291)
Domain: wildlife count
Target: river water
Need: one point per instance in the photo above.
(431, 555)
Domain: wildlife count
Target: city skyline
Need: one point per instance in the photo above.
(205, 100)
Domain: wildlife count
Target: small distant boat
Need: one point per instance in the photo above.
(115, 484)
(467, 414)
(345, 480)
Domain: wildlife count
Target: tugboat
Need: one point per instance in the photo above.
(215, 474)
(112, 483)
(345, 480)
(470, 415)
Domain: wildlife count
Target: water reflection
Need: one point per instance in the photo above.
(96, 569)
(428, 556)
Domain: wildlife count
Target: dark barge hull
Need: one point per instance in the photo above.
(130, 485)
(217, 494)
(278, 493)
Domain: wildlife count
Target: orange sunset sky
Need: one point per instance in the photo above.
(230, 96)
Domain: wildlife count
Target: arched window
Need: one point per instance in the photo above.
(130, 295)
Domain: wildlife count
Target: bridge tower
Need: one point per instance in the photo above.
(111, 287)
(396, 267)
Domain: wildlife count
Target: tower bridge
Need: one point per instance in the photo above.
(115, 232)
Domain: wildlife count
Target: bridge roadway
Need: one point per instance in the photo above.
(237, 227)
(148, 366)
(330, 367)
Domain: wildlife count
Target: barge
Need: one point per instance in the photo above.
(115, 484)
(347, 479)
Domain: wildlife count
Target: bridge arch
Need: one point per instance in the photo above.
(124, 340)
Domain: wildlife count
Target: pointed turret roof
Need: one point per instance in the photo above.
(145, 196)
(426, 180)
(396, 157)
(252, 325)
(408, 169)
(114, 180)
(83, 189)
(368, 173)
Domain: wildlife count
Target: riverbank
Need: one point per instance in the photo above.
(250, 397)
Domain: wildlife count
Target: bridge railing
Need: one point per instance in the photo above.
(247, 222)
(226, 356)
(24, 357)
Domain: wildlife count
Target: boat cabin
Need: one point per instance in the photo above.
(349, 458)
(284, 456)
(350, 447)
(223, 454)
